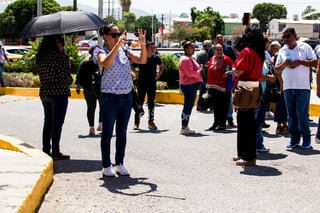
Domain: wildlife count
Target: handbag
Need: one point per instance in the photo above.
(272, 93)
(96, 82)
(247, 94)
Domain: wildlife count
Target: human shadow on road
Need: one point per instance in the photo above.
(260, 171)
(196, 135)
(226, 131)
(71, 166)
(271, 156)
(90, 136)
(300, 151)
(126, 185)
(153, 131)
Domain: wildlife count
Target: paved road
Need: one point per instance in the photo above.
(169, 172)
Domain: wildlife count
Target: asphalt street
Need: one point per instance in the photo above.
(169, 172)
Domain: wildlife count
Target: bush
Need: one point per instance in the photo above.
(19, 79)
(170, 73)
(27, 63)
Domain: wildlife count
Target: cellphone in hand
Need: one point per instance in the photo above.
(132, 36)
(245, 19)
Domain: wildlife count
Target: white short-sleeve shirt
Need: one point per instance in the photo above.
(299, 77)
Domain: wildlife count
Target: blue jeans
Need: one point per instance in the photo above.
(297, 104)
(203, 89)
(189, 93)
(260, 116)
(1, 71)
(230, 110)
(114, 109)
(55, 108)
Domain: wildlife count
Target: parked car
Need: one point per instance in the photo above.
(15, 52)
(312, 43)
(93, 41)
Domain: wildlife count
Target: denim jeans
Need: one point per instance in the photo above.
(280, 113)
(1, 71)
(203, 89)
(189, 93)
(114, 109)
(230, 110)
(260, 116)
(55, 108)
(297, 103)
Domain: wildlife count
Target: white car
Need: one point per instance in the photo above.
(93, 41)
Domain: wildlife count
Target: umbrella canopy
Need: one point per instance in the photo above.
(63, 22)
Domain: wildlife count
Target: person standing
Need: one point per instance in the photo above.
(318, 94)
(3, 56)
(54, 70)
(190, 79)
(202, 59)
(219, 70)
(231, 53)
(86, 70)
(147, 77)
(294, 62)
(116, 92)
(248, 67)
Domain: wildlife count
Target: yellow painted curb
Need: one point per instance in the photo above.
(34, 198)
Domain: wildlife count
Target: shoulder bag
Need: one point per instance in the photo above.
(247, 93)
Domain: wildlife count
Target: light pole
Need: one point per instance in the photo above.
(39, 7)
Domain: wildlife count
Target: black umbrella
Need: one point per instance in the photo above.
(63, 22)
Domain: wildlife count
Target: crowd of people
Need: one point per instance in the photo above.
(216, 70)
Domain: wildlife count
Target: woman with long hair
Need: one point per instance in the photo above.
(55, 77)
(248, 67)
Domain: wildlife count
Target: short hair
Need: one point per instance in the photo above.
(186, 44)
(290, 30)
(149, 43)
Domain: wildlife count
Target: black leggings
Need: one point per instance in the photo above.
(150, 90)
(91, 100)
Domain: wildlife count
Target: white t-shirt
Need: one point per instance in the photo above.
(299, 77)
(1, 55)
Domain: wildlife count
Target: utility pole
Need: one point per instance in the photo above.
(39, 7)
(75, 6)
(100, 9)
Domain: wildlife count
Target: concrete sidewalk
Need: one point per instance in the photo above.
(26, 174)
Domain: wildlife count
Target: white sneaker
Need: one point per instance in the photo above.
(269, 114)
(120, 169)
(108, 172)
(187, 131)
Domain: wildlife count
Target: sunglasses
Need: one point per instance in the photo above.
(286, 36)
(115, 35)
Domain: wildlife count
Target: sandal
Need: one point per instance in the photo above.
(284, 130)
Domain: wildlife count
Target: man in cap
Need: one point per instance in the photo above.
(202, 59)
(3, 56)
(294, 62)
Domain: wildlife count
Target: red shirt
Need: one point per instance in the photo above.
(215, 80)
(248, 60)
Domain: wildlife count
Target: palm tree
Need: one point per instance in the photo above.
(125, 4)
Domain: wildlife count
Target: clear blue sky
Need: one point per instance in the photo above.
(224, 7)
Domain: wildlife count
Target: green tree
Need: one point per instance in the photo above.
(265, 12)
(145, 23)
(129, 20)
(207, 23)
(20, 12)
(309, 9)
